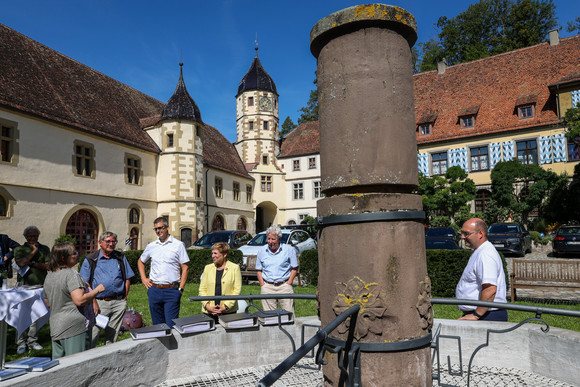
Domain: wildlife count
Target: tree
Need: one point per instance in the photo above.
(310, 111)
(432, 53)
(446, 196)
(563, 205)
(521, 187)
(287, 126)
(573, 26)
(572, 122)
(490, 27)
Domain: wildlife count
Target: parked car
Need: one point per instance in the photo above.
(235, 239)
(510, 238)
(566, 241)
(297, 238)
(444, 238)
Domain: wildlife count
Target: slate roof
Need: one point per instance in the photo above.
(45, 83)
(221, 154)
(256, 78)
(303, 140)
(181, 106)
(492, 88)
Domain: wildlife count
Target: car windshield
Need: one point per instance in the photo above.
(440, 244)
(440, 232)
(569, 231)
(504, 229)
(211, 239)
(261, 239)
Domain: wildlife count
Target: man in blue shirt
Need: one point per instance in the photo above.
(7, 247)
(276, 266)
(109, 267)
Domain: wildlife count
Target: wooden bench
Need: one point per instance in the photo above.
(250, 272)
(545, 274)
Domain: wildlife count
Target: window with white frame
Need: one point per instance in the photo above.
(236, 191)
(479, 158)
(317, 189)
(298, 191)
(312, 163)
(439, 163)
(84, 159)
(295, 165)
(527, 151)
(266, 183)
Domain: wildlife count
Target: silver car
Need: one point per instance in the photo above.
(300, 239)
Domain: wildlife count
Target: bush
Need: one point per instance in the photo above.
(197, 261)
(539, 239)
(309, 266)
(65, 238)
(443, 266)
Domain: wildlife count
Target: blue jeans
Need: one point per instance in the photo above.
(164, 304)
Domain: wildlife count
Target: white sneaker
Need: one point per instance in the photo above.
(36, 346)
(21, 349)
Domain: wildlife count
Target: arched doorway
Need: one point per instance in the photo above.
(218, 223)
(83, 226)
(242, 223)
(266, 213)
(186, 236)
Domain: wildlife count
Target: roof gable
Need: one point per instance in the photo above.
(221, 154)
(303, 140)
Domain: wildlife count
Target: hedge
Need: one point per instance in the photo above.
(443, 266)
(197, 261)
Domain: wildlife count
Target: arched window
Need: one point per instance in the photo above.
(134, 236)
(291, 222)
(134, 216)
(242, 223)
(186, 236)
(218, 223)
(482, 197)
(83, 226)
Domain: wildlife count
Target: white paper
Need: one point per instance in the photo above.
(20, 270)
(101, 321)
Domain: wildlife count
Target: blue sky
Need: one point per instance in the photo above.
(140, 43)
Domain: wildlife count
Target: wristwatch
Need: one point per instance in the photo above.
(181, 290)
(479, 317)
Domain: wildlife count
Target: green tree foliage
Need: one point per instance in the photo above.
(489, 27)
(310, 111)
(65, 238)
(572, 121)
(445, 196)
(563, 206)
(287, 126)
(521, 187)
(573, 26)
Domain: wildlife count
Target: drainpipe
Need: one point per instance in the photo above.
(206, 204)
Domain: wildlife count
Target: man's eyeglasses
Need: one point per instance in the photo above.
(467, 233)
(159, 228)
(110, 242)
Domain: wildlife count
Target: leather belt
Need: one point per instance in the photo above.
(165, 286)
(114, 298)
(275, 283)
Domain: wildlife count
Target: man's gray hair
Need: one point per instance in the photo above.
(274, 230)
(30, 228)
(161, 219)
(107, 234)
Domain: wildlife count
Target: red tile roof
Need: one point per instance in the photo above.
(303, 140)
(42, 82)
(493, 87)
(221, 154)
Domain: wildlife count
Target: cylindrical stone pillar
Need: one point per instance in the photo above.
(368, 153)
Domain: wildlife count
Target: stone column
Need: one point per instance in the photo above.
(372, 247)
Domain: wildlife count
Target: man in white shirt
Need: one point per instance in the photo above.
(483, 278)
(165, 284)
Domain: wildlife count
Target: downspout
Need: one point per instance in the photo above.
(206, 204)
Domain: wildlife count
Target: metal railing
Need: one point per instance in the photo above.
(350, 349)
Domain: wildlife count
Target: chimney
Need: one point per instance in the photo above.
(441, 66)
(554, 37)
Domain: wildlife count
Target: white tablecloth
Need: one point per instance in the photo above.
(21, 307)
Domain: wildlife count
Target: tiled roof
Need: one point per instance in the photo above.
(256, 78)
(493, 87)
(304, 140)
(221, 154)
(42, 82)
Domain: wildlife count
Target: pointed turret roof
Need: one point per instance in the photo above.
(181, 106)
(256, 78)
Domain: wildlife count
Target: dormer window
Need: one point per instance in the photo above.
(526, 111)
(467, 122)
(425, 129)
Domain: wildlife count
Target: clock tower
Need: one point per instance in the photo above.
(257, 116)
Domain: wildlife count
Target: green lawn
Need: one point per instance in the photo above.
(138, 301)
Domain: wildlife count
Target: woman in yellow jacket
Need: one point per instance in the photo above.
(220, 278)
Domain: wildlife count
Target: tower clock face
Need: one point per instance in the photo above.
(265, 103)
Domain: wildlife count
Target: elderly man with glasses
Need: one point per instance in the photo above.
(483, 278)
(109, 267)
(165, 283)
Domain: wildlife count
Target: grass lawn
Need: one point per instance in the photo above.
(138, 301)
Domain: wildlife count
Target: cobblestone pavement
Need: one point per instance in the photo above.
(543, 252)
